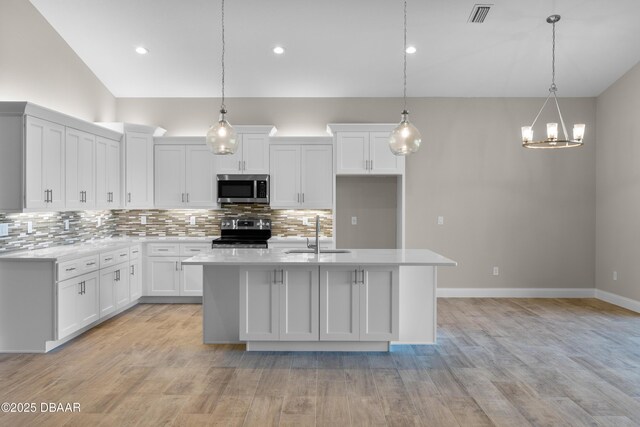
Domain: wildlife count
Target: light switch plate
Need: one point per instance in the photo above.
(192, 220)
(440, 220)
(66, 225)
(615, 275)
(99, 221)
(305, 220)
(143, 220)
(4, 230)
(29, 227)
(354, 220)
(496, 271)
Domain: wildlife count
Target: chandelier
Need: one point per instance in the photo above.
(553, 140)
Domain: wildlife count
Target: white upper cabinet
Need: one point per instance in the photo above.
(138, 170)
(285, 176)
(80, 165)
(107, 169)
(316, 176)
(301, 173)
(184, 175)
(252, 155)
(363, 149)
(137, 157)
(169, 176)
(45, 160)
(50, 159)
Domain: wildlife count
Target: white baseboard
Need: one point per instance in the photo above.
(516, 293)
(624, 302)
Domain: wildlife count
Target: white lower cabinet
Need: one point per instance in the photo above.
(359, 303)
(279, 304)
(135, 280)
(163, 276)
(78, 303)
(167, 276)
(114, 288)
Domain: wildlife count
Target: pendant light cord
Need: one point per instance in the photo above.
(222, 107)
(553, 60)
(405, 56)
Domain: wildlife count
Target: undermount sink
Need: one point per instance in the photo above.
(322, 251)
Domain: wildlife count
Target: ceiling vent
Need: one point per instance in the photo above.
(479, 13)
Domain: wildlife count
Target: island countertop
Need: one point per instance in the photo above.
(401, 257)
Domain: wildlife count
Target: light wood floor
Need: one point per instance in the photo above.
(508, 362)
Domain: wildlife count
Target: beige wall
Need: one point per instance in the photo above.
(373, 201)
(37, 65)
(529, 212)
(618, 187)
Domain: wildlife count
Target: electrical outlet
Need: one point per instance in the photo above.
(496, 271)
(99, 221)
(143, 220)
(305, 220)
(66, 225)
(4, 230)
(440, 220)
(29, 227)
(354, 220)
(192, 220)
(615, 275)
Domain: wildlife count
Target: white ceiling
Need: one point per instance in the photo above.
(348, 48)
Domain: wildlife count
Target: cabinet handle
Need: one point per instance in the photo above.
(239, 165)
(46, 196)
(134, 251)
(162, 250)
(70, 269)
(81, 199)
(181, 266)
(91, 263)
(176, 265)
(302, 197)
(133, 270)
(244, 165)
(182, 197)
(121, 255)
(51, 195)
(129, 197)
(298, 197)
(84, 289)
(187, 197)
(108, 259)
(80, 290)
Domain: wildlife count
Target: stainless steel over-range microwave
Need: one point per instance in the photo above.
(243, 189)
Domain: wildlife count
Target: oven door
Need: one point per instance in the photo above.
(243, 189)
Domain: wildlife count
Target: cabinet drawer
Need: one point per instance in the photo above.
(135, 252)
(69, 269)
(190, 249)
(163, 249)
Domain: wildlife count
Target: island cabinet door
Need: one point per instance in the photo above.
(259, 304)
(299, 294)
(379, 303)
(339, 304)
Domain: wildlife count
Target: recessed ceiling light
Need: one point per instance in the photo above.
(278, 50)
(411, 50)
(142, 50)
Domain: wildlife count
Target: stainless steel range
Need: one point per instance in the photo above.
(243, 233)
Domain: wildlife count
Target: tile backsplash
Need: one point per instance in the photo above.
(176, 222)
(48, 227)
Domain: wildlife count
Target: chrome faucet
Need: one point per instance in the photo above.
(316, 247)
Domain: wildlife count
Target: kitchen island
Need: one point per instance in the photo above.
(362, 300)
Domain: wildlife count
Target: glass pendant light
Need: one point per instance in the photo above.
(405, 138)
(221, 137)
(553, 140)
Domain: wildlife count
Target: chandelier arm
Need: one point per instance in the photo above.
(542, 108)
(564, 128)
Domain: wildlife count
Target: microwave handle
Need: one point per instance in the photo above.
(255, 188)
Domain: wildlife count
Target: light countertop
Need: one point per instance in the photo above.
(247, 257)
(79, 250)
